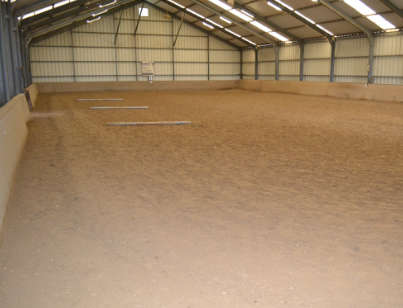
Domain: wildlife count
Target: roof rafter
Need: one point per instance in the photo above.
(199, 28)
(179, 9)
(248, 29)
(393, 7)
(301, 19)
(82, 15)
(265, 20)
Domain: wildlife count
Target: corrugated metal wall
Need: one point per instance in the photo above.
(350, 63)
(88, 52)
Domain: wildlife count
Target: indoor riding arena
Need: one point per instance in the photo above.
(201, 153)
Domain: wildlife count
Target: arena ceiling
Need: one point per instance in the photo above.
(242, 23)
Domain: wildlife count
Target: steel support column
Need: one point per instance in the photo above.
(301, 61)
(208, 56)
(256, 63)
(332, 58)
(277, 62)
(355, 23)
(241, 64)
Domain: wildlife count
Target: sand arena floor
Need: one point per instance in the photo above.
(267, 200)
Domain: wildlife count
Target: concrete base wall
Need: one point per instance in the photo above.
(13, 132)
(33, 90)
(135, 86)
(393, 93)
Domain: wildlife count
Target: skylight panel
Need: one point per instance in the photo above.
(249, 41)
(43, 10)
(61, 3)
(176, 3)
(260, 26)
(241, 15)
(248, 13)
(360, 7)
(279, 36)
(107, 4)
(214, 23)
(274, 6)
(99, 13)
(232, 32)
(207, 25)
(285, 5)
(226, 20)
(324, 29)
(370, 14)
(195, 13)
(93, 19)
(304, 17)
(221, 4)
(381, 22)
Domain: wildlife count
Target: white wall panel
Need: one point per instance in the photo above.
(94, 69)
(289, 68)
(191, 42)
(62, 39)
(352, 47)
(317, 50)
(218, 44)
(266, 54)
(52, 69)
(389, 45)
(93, 40)
(267, 68)
(351, 67)
(222, 69)
(190, 55)
(190, 69)
(289, 52)
(94, 54)
(317, 67)
(224, 56)
(51, 54)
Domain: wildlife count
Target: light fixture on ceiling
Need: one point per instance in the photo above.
(274, 6)
(260, 26)
(207, 25)
(99, 13)
(93, 19)
(226, 20)
(176, 3)
(221, 4)
(214, 23)
(195, 13)
(107, 4)
(241, 15)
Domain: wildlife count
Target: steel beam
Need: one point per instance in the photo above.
(179, 29)
(276, 62)
(310, 25)
(255, 33)
(301, 61)
(49, 15)
(267, 21)
(355, 23)
(332, 43)
(256, 63)
(241, 64)
(139, 19)
(393, 7)
(115, 38)
(76, 21)
(199, 28)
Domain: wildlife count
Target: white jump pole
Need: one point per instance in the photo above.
(99, 99)
(117, 107)
(148, 123)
